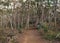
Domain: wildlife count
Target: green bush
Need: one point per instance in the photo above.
(45, 27)
(50, 35)
(3, 39)
(45, 30)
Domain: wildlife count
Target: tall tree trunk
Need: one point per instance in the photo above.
(55, 13)
(27, 23)
(10, 20)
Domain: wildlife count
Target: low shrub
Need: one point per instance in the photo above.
(58, 36)
(3, 39)
(50, 35)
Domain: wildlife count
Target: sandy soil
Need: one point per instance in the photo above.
(31, 36)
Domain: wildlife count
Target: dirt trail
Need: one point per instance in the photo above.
(31, 36)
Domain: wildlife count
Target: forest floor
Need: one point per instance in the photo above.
(31, 36)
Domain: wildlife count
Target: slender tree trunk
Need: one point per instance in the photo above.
(14, 16)
(28, 15)
(49, 18)
(42, 14)
(42, 9)
(1, 21)
(27, 23)
(18, 21)
(55, 13)
(10, 20)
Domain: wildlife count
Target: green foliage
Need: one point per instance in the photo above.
(32, 3)
(50, 35)
(44, 26)
(1, 10)
(19, 28)
(37, 0)
(45, 30)
(58, 36)
(6, 4)
(14, 41)
(2, 37)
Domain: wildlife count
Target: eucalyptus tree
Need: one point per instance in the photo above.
(49, 6)
(55, 12)
(19, 14)
(28, 14)
(8, 12)
(29, 9)
(40, 12)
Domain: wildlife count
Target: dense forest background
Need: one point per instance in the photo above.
(19, 15)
